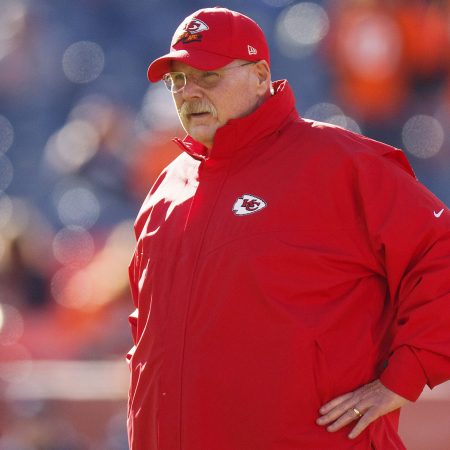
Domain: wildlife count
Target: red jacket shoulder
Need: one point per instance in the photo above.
(339, 144)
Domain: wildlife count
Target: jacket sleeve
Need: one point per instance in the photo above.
(409, 231)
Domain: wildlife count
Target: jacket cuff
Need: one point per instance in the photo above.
(404, 375)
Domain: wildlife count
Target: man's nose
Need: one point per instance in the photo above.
(191, 89)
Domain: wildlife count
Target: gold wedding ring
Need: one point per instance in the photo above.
(357, 412)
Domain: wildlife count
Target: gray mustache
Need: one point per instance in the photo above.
(197, 107)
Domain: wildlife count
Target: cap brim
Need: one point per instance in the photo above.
(195, 58)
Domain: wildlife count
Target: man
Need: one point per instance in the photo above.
(291, 279)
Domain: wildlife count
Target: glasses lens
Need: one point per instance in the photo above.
(167, 81)
(174, 81)
(208, 80)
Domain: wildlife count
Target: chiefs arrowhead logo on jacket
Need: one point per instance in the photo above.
(248, 204)
(191, 32)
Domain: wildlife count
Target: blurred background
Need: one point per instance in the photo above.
(83, 136)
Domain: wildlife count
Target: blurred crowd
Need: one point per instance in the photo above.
(83, 136)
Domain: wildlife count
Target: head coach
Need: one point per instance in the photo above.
(291, 278)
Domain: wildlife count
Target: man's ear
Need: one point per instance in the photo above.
(262, 70)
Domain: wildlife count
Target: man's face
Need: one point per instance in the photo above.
(203, 109)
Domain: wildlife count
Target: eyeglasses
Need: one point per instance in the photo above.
(176, 81)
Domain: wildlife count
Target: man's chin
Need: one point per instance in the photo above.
(203, 134)
(206, 141)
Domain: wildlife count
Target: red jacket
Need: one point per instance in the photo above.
(296, 263)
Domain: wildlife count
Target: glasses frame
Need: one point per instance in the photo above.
(167, 78)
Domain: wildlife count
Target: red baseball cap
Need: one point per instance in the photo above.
(211, 38)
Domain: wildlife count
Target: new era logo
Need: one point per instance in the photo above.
(251, 50)
(248, 204)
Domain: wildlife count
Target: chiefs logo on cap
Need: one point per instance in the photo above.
(192, 32)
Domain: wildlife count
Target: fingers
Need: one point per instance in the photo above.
(342, 408)
(344, 419)
(335, 402)
(345, 413)
(363, 405)
(360, 413)
(367, 418)
(349, 400)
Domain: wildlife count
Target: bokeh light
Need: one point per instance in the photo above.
(372, 45)
(344, 121)
(77, 204)
(102, 278)
(6, 134)
(83, 61)
(107, 267)
(73, 246)
(322, 111)
(12, 22)
(6, 172)
(423, 136)
(300, 28)
(158, 109)
(332, 114)
(72, 146)
(72, 288)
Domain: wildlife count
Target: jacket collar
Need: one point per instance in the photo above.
(238, 133)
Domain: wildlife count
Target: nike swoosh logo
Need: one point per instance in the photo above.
(438, 214)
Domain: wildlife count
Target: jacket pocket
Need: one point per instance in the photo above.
(322, 374)
(344, 362)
